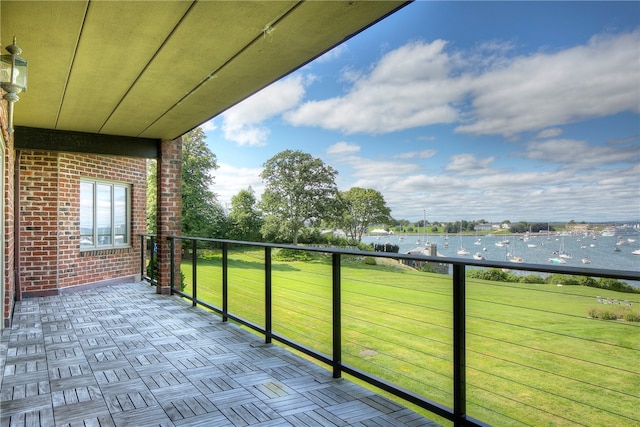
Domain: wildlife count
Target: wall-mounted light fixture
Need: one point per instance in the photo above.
(13, 77)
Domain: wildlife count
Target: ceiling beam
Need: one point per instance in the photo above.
(29, 138)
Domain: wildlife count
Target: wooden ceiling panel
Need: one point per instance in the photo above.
(306, 32)
(157, 69)
(118, 40)
(47, 32)
(210, 35)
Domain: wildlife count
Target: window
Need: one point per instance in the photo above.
(104, 214)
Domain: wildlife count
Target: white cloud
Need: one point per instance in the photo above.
(424, 154)
(334, 53)
(230, 180)
(421, 84)
(580, 154)
(534, 92)
(408, 87)
(243, 123)
(209, 126)
(549, 133)
(468, 164)
(341, 148)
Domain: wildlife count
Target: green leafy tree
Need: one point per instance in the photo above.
(152, 196)
(202, 215)
(299, 188)
(245, 220)
(362, 207)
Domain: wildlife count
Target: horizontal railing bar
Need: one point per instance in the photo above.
(554, 269)
(425, 403)
(306, 350)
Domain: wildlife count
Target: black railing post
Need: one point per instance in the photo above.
(267, 296)
(143, 243)
(459, 346)
(225, 281)
(194, 271)
(337, 317)
(153, 261)
(172, 262)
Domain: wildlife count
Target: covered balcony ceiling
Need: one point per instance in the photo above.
(157, 69)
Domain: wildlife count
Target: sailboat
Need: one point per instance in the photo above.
(562, 253)
(514, 258)
(461, 250)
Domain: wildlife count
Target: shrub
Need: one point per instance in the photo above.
(562, 279)
(601, 283)
(632, 317)
(369, 260)
(614, 313)
(427, 268)
(608, 315)
(493, 274)
(289, 255)
(532, 278)
(615, 285)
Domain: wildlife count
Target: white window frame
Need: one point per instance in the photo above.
(95, 237)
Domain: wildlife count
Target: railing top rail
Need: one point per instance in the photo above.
(553, 269)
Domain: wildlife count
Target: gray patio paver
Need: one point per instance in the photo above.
(126, 356)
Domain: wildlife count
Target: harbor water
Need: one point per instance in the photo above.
(604, 252)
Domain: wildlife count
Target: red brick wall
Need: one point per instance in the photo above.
(50, 257)
(169, 209)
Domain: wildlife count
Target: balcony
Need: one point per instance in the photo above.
(126, 356)
(461, 351)
(455, 350)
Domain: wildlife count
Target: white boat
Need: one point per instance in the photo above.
(636, 252)
(562, 253)
(478, 256)
(461, 250)
(586, 260)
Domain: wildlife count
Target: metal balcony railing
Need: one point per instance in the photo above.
(474, 352)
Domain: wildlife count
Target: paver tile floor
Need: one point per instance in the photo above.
(126, 356)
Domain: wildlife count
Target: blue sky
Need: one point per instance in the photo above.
(468, 110)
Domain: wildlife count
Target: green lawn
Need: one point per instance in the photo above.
(534, 357)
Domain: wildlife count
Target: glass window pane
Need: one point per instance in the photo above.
(120, 215)
(86, 214)
(103, 214)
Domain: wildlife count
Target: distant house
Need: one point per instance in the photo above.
(380, 232)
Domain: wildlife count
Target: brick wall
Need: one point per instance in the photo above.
(169, 209)
(50, 257)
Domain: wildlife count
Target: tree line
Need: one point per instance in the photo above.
(300, 194)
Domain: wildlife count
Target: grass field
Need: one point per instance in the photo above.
(534, 356)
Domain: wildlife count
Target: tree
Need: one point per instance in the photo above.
(152, 196)
(244, 218)
(360, 208)
(202, 215)
(299, 188)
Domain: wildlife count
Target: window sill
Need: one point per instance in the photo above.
(111, 250)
